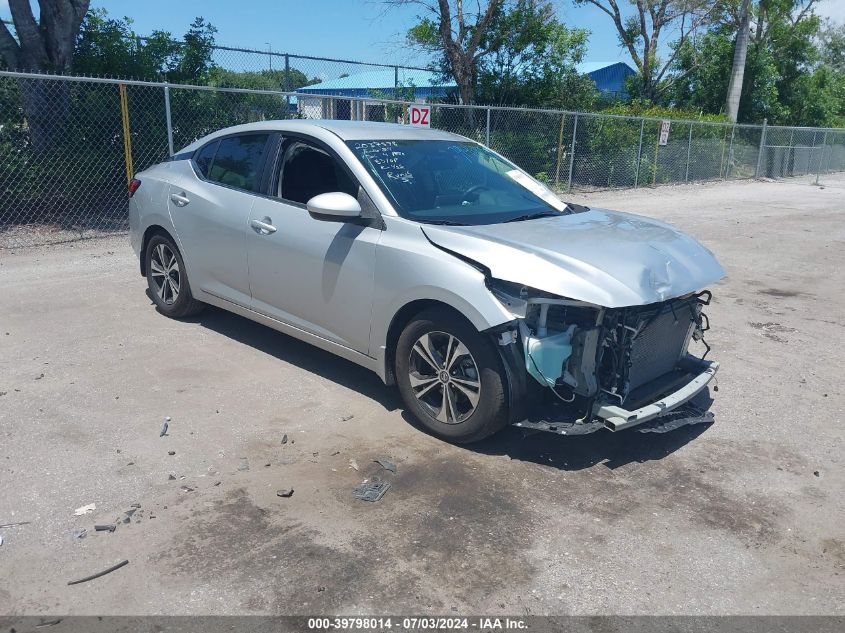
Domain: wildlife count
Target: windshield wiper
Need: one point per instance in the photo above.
(533, 216)
(443, 222)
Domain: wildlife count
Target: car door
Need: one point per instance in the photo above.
(209, 203)
(314, 274)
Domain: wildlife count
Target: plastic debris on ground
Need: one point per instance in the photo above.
(386, 464)
(164, 427)
(85, 509)
(371, 491)
(285, 492)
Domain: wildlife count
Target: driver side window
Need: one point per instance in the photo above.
(308, 171)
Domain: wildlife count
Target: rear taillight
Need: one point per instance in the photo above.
(133, 186)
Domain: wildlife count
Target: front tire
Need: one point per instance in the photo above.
(167, 279)
(450, 377)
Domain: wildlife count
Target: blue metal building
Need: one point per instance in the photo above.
(609, 76)
(382, 82)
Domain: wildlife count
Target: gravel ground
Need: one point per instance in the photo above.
(744, 516)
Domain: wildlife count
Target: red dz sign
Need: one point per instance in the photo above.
(420, 115)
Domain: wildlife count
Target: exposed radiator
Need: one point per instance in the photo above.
(657, 349)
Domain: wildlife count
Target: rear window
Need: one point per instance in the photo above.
(237, 161)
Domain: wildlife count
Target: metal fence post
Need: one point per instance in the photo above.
(167, 117)
(689, 152)
(559, 151)
(809, 160)
(730, 152)
(639, 155)
(821, 158)
(396, 89)
(572, 153)
(127, 133)
(762, 148)
(286, 84)
(487, 131)
(790, 153)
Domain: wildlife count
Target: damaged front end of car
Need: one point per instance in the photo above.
(576, 368)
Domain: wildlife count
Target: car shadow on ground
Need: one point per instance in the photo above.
(579, 452)
(296, 352)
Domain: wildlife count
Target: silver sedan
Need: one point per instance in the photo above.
(439, 265)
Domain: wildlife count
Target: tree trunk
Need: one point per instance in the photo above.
(738, 71)
(46, 105)
(43, 46)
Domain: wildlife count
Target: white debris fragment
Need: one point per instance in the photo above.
(85, 509)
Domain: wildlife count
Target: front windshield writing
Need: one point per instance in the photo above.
(453, 182)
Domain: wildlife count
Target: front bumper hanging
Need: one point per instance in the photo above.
(666, 413)
(617, 418)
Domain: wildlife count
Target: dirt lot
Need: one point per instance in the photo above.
(744, 516)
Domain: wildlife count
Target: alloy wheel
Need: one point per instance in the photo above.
(444, 377)
(166, 276)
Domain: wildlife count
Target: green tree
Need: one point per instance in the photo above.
(532, 60)
(832, 45)
(641, 32)
(45, 45)
(110, 47)
(261, 80)
(506, 52)
(791, 73)
(455, 36)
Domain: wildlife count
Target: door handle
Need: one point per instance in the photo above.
(179, 199)
(263, 226)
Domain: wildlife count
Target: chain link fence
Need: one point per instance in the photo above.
(246, 67)
(68, 145)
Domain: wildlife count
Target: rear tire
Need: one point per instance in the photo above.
(450, 377)
(167, 279)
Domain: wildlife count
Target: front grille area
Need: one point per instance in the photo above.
(655, 351)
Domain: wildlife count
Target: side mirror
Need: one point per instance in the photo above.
(337, 206)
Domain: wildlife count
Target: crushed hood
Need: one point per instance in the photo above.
(601, 257)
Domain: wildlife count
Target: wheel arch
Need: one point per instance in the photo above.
(403, 316)
(406, 313)
(153, 229)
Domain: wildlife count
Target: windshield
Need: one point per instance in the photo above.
(453, 182)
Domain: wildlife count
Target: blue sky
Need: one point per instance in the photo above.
(350, 29)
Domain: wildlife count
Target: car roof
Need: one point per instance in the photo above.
(346, 130)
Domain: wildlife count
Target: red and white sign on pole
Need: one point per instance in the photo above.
(420, 115)
(664, 131)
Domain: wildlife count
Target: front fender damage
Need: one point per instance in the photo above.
(574, 367)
